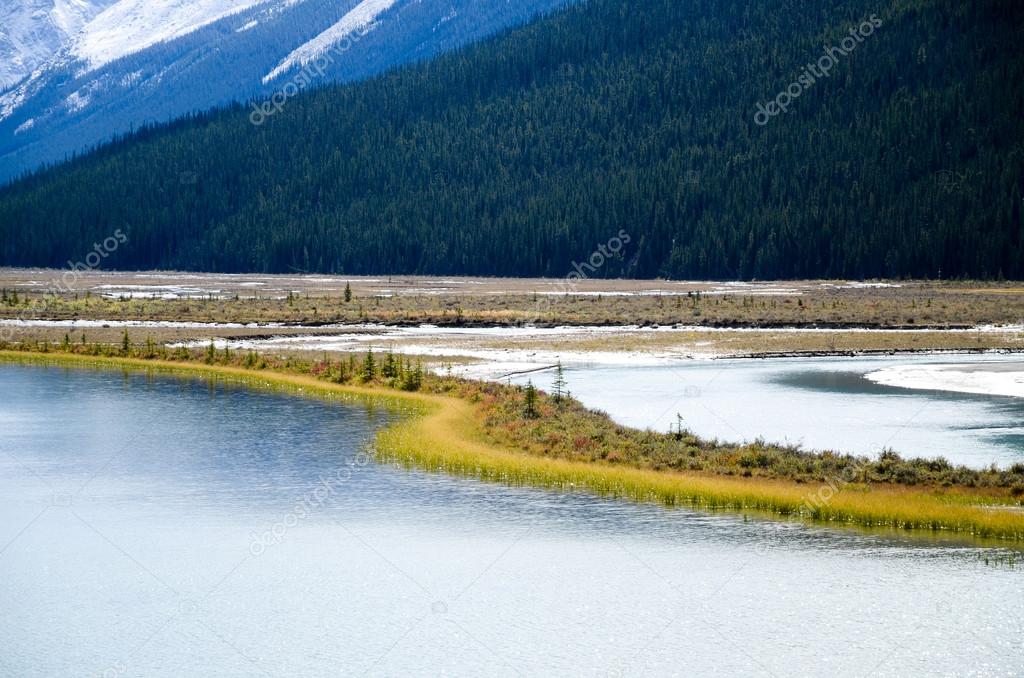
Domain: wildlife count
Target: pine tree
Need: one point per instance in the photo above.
(645, 87)
(389, 369)
(413, 379)
(125, 342)
(369, 367)
(348, 293)
(530, 402)
(558, 387)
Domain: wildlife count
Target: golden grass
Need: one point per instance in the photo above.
(412, 403)
(440, 433)
(445, 440)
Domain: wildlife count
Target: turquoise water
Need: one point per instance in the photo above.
(167, 527)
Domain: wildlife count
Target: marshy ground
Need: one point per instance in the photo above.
(660, 318)
(522, 437)
(298, 322)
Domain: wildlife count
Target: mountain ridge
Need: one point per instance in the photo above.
(139, 62)
(519, 155)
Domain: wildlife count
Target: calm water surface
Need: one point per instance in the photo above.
(819, 403)
(164, 527)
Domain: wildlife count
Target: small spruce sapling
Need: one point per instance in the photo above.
(369, 367)
(558, 387)
(530, 402)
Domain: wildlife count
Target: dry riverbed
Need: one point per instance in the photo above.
(496, 351)
(489, 327)
(412, 300)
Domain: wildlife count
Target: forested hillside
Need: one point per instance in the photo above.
(523, 154)
(69, 104)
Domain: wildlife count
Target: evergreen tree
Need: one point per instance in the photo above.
(530, 402)
(892, 166)
(558, 387)
(369, 371)
(388, 369)
(413, 379)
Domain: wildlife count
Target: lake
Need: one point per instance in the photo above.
(956, 406)
(157, 526)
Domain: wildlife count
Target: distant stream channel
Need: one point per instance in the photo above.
(821, 403)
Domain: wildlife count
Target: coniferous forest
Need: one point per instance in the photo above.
(525, 153)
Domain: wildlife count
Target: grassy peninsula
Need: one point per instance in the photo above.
(523, 437)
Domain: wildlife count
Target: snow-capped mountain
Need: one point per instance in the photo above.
(31, 31)
(132, 25)
(362, 15)
(76, 72)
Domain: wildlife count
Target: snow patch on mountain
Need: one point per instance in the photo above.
(12, 99)
(32, 31)
(133, 25)
(76, 101)
(130, 79)
(361, 16)
(445, 19)
(80, 71)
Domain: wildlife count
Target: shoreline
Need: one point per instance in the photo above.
(810, 327)
(439, 433)
(871, 352)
